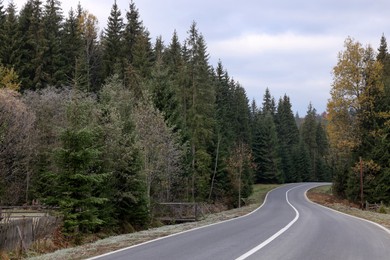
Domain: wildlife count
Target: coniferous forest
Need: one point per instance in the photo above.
(106, 124)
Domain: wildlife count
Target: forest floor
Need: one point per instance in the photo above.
(320, 195)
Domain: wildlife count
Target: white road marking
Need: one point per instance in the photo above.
(269, 240)
(186, 231)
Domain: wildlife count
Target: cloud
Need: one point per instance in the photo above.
(250, 44)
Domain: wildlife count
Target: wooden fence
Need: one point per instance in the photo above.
(177, 212)
(19, 229)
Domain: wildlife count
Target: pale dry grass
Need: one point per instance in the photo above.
(323, 196)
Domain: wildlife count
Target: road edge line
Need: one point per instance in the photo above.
(185, 231)
(277, 234)
(352, 216)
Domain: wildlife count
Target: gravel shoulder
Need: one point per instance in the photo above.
(117, 242)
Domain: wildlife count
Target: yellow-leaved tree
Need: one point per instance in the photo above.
(9, 78)
(356, 84)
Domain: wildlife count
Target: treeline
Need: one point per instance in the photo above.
(106, 126)
(359, 122)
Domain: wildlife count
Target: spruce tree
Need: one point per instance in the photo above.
(133, 29)
(200, 111)
(72, 40)
(268, 103)
(265, 151)
(2, 27)
(53, 57)
(77, 180)
(113, 43)
(309, 137)
(11, 39)
(122, 157)
(31, 52)
(288, 136)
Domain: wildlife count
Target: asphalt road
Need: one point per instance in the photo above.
(287, 226)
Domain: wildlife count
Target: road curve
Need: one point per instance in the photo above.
(286, 226)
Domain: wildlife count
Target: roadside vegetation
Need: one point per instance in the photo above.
(108, 244)
(325, 196)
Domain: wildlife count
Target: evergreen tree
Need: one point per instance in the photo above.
(30, 62)
(200, 111)
(53, 60)
(265, 151)
(133, 29)
(268, 103)
(113, 43)
(77, 182)
(122, 157)
(72, 40)
(3, 19)
(88, 67)
(309, 137)
(11, 40)
(163, 92)
(288, 136)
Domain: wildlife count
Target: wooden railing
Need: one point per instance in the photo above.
(20, 226)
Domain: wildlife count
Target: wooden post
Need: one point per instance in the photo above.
(361, 183)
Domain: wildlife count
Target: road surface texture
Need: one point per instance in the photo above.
(286, 226)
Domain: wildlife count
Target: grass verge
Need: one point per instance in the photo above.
(323, 195)
(117, 242)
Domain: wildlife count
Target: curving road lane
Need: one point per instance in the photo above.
(286, 226)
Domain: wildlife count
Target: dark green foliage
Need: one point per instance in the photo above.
(10, 37)
(122, 158)
(77, 182)
(288, 137)
(72, 40)
(113, 60)
(53, 59)
(265, 151)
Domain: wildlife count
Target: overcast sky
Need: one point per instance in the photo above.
(288, 46)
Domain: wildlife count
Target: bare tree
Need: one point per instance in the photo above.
(161, 151)
(16, 126)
